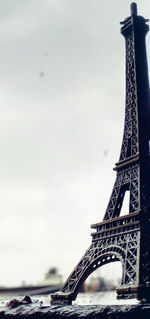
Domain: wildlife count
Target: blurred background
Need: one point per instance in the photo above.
(62, 96)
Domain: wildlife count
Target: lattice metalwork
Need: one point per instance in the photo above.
(125, 238)
(127, 179)
(123, 248)
(116, 246)
(130, 136)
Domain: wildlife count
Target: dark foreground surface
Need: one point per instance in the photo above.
(25, 308)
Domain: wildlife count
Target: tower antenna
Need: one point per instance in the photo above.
(134, 9)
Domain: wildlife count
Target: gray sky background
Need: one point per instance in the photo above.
(62, 89)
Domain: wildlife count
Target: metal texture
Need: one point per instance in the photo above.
(126, 238)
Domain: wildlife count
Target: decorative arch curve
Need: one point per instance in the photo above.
(106, 255)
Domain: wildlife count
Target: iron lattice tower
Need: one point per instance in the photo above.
(125, 238)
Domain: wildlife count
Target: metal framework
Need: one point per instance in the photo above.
(126, 238)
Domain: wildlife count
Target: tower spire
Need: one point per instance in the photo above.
(134, 9)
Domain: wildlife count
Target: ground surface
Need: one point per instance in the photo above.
(34, 310)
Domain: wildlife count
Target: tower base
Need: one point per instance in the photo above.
(61, 299)
(140, 292)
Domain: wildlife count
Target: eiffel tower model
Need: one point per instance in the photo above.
(125, 238)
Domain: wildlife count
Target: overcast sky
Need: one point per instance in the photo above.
(62, 92)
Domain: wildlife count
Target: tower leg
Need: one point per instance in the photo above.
(121, 248)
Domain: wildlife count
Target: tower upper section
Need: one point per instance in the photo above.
(136, 136)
